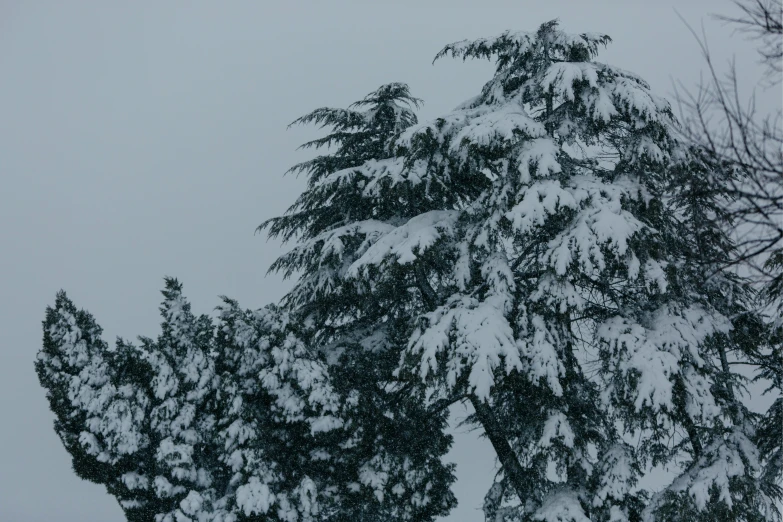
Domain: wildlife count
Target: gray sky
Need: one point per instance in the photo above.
(145, 139)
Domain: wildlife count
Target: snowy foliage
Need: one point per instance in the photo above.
(224, 422)
(540, 251)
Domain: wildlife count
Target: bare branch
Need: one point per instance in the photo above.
(763, 21)
(749, 145)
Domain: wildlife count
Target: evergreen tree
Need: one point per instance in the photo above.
(134, 418)
(719, 119)
(228, 423)
(722, 477)
(769, 435)
(264, 416)
(356, 194)
(564, 261)
(541, 252)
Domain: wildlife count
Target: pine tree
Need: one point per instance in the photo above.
(90, 392)
(564, 260)
(720, 120)
(255, 417)
(355, 194)
(280, 421)
(541, 252)
(769, 364)
(134, 418)
(722, 477)
(769, 436)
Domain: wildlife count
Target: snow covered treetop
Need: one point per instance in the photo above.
(359, 135)
(387, 110)
(514, 46)
(552, 74)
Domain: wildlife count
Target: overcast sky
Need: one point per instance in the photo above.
(145, 139)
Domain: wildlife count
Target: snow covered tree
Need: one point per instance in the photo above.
(553, 271)
(354, 196)
(238, 422)
(720, 119)
(136, 419)
(723, 476)
(253, 418)
(539, 252)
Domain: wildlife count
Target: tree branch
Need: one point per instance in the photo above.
(496, 434)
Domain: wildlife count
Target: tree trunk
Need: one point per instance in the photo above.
(511, 467)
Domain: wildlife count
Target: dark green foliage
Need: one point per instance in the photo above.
(546, 252)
